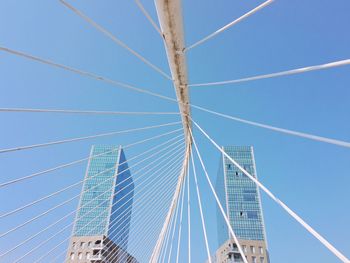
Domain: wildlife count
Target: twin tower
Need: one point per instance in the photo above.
(240, 197)
(101, 228)
(102, 223)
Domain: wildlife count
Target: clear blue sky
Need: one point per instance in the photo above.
(311, 177)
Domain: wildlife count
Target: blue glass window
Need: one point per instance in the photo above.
(248, 197)
(252, 214)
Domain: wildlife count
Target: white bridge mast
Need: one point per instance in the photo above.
(170, 18)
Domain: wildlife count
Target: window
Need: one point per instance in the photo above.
(88, 255)
(249, 191)
(261, 260)
(102, 202)
(261, 250)
(248, 197)
(254, 259)
(244, 248)
(252, 249)
(109, 166)
(80, 255)
(74, 245)
(252, 214)
(82, 245)
(229, 166)
(90, 244)
(72, 256)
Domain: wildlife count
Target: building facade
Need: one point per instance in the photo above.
(102, 223)
(240, 197)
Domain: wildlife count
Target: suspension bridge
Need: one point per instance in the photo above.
(166, 163)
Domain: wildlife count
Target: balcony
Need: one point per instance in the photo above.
(96, 257)
(97, 246)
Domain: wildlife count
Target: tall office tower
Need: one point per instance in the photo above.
(101, 228)
(240, 197)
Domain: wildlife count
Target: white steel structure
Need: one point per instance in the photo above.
(171, 24)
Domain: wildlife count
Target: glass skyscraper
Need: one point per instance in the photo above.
(240, 197)
(102, 222)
